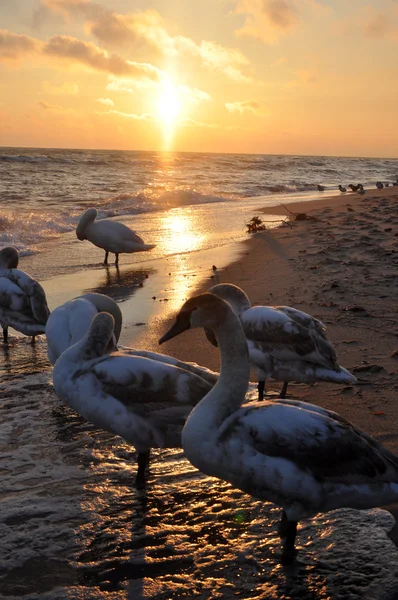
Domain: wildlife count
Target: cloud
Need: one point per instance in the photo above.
(247, 106)
(146, 32)
(266, 20)
(54, 107)
(379, 25)
(15, 45)
(195, 96)
(63, 89)
(132, 116)
(72, 49)
(106, 101)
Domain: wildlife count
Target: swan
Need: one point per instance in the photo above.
(299, 456)
(23, 303)
(70, 321)
(284, 343)
(144, 400)
(109, 235)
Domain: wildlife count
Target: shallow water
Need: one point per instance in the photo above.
(73, 525)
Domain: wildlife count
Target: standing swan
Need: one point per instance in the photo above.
(301, 457)
(144, 401)
(23, 303)
(284, 343)
(109, 235)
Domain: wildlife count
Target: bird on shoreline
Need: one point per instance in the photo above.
(342, 189)
(144, 397)
(109, 235)
(354, 188)
(284, 343)
(23, 304)
(379, 185)
(321, 188)
(303, 458)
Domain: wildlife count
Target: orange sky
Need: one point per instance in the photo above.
(258, 76)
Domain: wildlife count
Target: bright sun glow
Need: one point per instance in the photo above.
(168, 109)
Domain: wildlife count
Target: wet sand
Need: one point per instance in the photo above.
(73, 524)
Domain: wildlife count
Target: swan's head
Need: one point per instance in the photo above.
(87, 217)
(99, 339)
(104, 303)
(205, 310)
(9, 257)
(234, 295)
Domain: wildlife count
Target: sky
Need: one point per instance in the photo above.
(311, 77)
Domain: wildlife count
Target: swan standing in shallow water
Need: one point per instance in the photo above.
(299, 456)
(145, 401)
(23, 303)
(284, 343)
(109, 235)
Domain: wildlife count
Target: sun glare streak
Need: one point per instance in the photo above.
(168, 109)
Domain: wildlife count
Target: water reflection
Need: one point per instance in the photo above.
(121, 285)
(181, 231)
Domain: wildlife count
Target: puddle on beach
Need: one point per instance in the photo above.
(73, 525)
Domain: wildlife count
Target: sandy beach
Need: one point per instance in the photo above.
(74, 526)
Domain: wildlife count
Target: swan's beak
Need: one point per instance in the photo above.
(182, 323)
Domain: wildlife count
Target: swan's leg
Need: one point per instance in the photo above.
(117, 258)
(106, 257)
(143, 462)
(289, 552)
(283, 390)
(283, 524)
(33, 339)
(5, 334)
(261, 389)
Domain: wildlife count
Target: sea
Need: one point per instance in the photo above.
(73, 524)
(182, 202)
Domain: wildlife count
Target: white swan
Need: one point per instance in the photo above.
(143, 400)
(109, 235)
(299, 456)
(23, 303)
(68, 323)
(284, 343)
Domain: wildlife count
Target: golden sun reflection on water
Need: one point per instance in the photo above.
(181, 236)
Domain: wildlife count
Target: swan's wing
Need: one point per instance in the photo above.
(311, 440)
(303, 318)
(33, 291)
(147, 387)
(276, 334)
(206, 374)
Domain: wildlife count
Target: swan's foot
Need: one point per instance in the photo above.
(33, 340)
(289, 552)
(261, 390)
(283, 390)
(5, 335)
(143, 464)
(106, 258)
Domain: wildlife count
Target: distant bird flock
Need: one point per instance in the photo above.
(301, 457)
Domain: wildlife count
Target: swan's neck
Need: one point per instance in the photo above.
(230, 390)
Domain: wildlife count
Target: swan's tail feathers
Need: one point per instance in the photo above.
(341, 376)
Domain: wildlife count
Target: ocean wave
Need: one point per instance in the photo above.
(24, 158)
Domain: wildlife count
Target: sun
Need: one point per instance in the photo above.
(168, 110)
